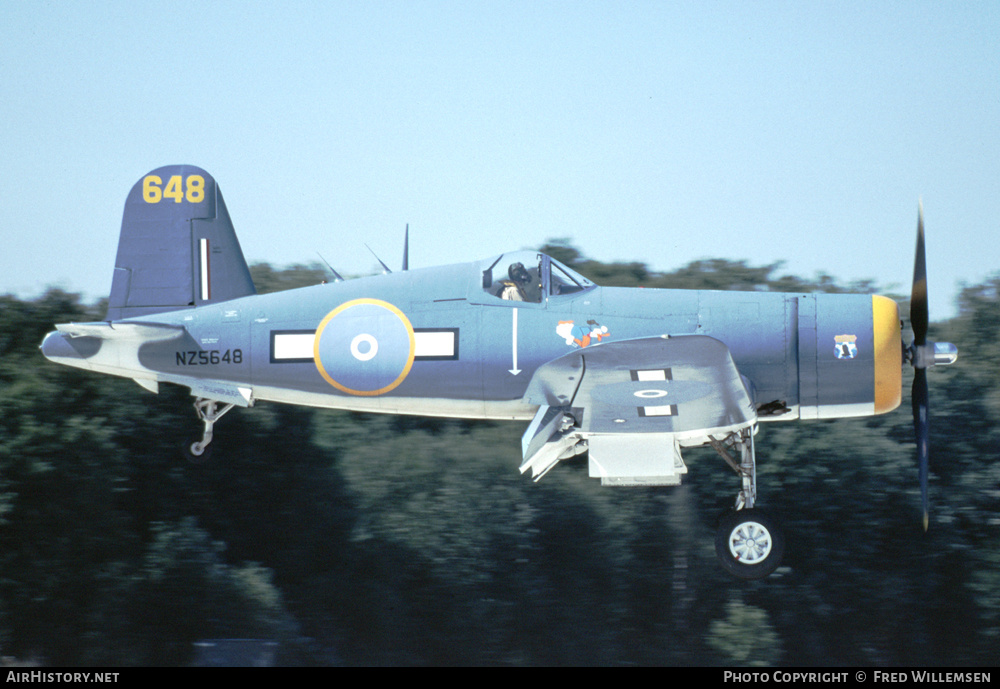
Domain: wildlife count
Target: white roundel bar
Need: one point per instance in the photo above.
(364, 347)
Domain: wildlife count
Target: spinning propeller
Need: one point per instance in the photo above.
(922, 355)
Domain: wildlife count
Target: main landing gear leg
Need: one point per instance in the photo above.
(208, 411)
(749, 543)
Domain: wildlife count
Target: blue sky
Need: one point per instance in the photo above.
(653, 131)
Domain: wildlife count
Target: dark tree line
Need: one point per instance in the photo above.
(365, 539)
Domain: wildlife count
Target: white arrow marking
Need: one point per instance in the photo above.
(515, 370)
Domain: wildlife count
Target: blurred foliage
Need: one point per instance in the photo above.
(267, 279)
(365, 539)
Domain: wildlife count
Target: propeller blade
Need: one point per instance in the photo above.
(921, 429)
(918, 297)
(919, 320)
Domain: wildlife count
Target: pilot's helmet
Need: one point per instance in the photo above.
(518, 273)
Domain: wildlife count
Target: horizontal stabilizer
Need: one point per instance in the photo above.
(142, 332)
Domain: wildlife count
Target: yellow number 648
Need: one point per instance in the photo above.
(194, 189)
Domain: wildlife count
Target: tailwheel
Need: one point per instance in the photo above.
(198, 451)
(749, 543)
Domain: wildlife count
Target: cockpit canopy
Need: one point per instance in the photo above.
(530, 276)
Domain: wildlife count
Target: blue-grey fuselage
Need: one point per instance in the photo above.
(435, 341)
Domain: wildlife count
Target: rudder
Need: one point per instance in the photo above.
(177, 247)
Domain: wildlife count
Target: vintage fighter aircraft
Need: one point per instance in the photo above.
(630, 376)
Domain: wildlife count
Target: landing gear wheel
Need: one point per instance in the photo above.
(749, 543)
(195, 452)
(198, 451)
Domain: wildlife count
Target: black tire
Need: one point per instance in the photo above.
(749, 543)
(190, 454)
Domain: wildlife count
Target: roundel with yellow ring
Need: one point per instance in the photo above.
(364, 347)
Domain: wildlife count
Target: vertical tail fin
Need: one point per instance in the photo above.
(177, 247)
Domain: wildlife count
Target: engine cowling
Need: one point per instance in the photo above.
(850, 355)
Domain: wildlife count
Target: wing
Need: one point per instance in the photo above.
(635, 402)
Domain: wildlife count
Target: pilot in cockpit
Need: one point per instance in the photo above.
(520, 286)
